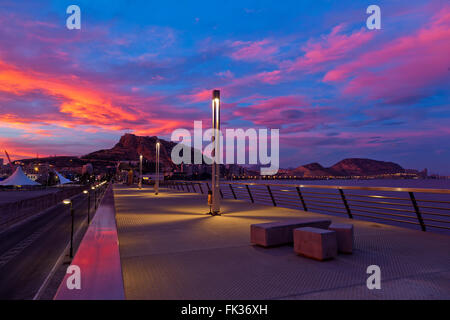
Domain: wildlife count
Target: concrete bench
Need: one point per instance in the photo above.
(315, 243)
(278, 233)
(344, 235)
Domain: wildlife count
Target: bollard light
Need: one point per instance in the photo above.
(95, 196)
(89, 204)
(69, 202)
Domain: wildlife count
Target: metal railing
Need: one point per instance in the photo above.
(422, 207)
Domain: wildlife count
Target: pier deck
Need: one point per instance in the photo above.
(171, 249)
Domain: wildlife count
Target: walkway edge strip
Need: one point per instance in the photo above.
(98, 259)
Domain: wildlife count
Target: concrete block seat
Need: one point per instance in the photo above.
(281, 232)
(344, 235)
(315, 243)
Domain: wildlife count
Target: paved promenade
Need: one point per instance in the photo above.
(170, 249)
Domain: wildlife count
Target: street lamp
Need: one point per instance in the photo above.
(95, 197)
(69, 202)
(216, 157)
(89, 204)
(140, 172)
(157, 169)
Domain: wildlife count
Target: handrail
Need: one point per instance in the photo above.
(292, 195)
(312, 186)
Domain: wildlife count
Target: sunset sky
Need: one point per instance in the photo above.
(310, 68)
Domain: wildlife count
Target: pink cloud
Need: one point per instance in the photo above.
(199, 96)
(263, 50)
(330, 47)
(225, 74)
(293, 112)
(271, 77)
(233, 86)
(402, 67)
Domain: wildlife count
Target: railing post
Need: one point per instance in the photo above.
(232, 191)
(249, 193)
(207, 184)
(271, 196)
(221, 194)
(187, 187)
(200, 186)
(301, 198)
(416, 208)
(346, 204)
(193, 187)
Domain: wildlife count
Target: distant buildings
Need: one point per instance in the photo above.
(87, 169)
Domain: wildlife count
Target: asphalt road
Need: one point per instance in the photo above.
(29, 251)
(14, 196)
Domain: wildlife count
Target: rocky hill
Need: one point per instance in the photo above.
(130, 147)
(367, 167)
(311, 170)
(348, 167)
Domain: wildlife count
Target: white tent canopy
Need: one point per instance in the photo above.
(18, 178)
(62, 179)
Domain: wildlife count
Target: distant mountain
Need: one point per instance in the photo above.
(57, 161)
(348, 167)
(130, 147)
(311, 170)
(367, 167)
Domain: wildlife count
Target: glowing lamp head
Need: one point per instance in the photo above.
(92, 188)
(216, 95)
(67, 201)
(85, 191)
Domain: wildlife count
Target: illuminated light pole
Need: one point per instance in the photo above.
(140, 172)
(216, 157)
(69, 202)
(157, 168)
(95, 197)
(89, 204)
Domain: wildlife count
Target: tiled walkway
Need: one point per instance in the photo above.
(171, 249)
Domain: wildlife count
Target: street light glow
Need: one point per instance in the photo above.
(157, 169)
(85, 191)
(67, 201)
(215, 204)
(140, 172)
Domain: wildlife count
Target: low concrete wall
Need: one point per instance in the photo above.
(97, 259)
(13, 212)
